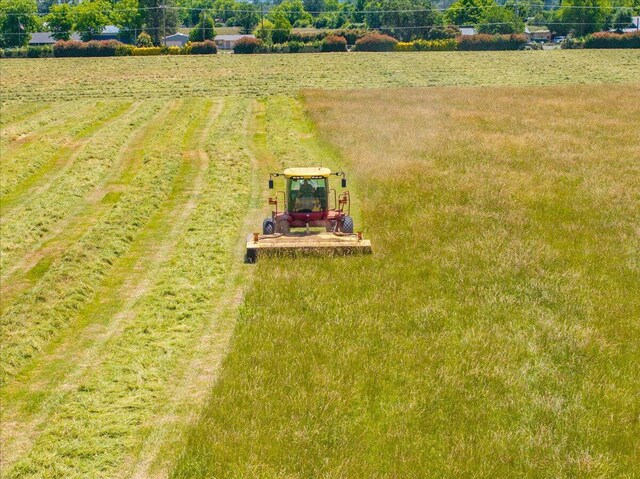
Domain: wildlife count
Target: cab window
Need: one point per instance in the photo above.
(307, 195)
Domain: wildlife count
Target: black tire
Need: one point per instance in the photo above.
(268, 226)
(282, 227)
(347, 224)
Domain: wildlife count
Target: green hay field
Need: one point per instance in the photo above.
(494, 331)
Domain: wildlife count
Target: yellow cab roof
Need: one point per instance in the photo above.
(313, 172)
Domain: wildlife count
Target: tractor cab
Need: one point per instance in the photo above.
(309, 201)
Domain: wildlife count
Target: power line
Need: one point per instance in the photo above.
(358, 12)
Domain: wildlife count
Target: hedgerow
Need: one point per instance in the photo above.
(93, 48)
(146, 51)
(376, 42)
(203, 48)
(334, 43)
(428, 46)
(491, 42)
(247, 45)
(613, 40)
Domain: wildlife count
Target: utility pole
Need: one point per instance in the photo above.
(164, 24)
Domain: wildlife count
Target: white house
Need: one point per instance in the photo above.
(227, 42)
(467, 31)
(636, 22)
(175, 40)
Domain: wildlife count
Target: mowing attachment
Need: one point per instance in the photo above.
(307, 203)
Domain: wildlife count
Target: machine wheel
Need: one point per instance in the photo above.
(347, 224)
(282, 227)
(268, 226)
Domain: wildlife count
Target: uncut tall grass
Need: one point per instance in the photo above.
(493, 332)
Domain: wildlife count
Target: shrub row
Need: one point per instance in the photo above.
(491, 42)
(351, 35)
(334, 43)
(613, 40)
(110, 48)
(376, 42)
(428, 46)
(27, 52)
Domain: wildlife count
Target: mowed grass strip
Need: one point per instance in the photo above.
(109, 179)
(16, 112)
(494, 330)
(259, 75)
(25, 167)
(36, 215)
(44, 311)
(127, 393)
(18, 121)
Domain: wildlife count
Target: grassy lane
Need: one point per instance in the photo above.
(260, 75)
(492, 333)
(163, 302)
(44, 311)
(42, 157)
(109, 179)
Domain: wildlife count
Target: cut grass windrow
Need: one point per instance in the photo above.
(23, 167)
(22, 120)
(26, 226)
(15, 112)
(44, 311)
(127, 393)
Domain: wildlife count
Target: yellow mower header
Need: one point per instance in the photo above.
(313, 172)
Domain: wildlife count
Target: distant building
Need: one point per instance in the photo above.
(175, 40)
(467, 31)
(45, 38)
(635, 21)
(110, 32)
(227, 42)
(537, 34)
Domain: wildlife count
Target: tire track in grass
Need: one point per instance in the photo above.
(99, 320)
(15, 125)
(17, 112)
(186, 396)
(94, 206)
(44, 311)
(39, 136)
(48, 172)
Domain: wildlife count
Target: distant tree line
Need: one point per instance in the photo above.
(273, 21)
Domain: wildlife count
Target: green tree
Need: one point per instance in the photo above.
(500, 20)
(91, 18)
(160, 18)
(621, 18)
(264, 31)
(128, 17)
(281, 27)
(60, 21)
(225, 9)
(293, 10)
(18, 18)
(204, 29)
(247, 18)
(407, 19)
(468, 12)
(584, 16)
